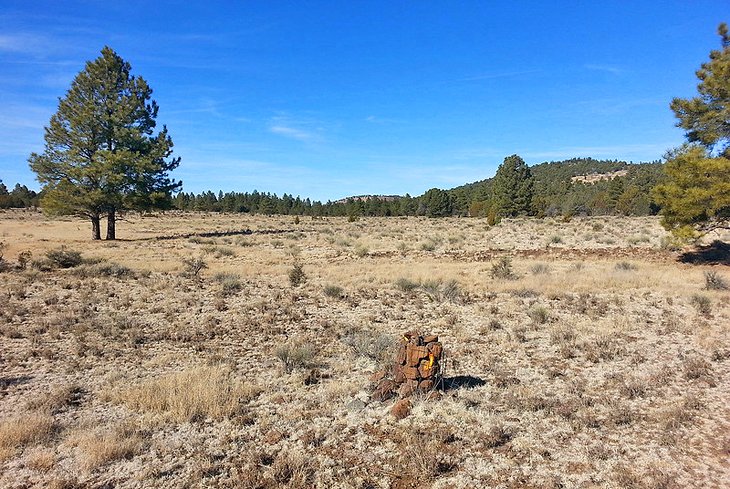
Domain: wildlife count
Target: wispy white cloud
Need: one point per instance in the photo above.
(613, 69)
(294, 133)
(373, 119)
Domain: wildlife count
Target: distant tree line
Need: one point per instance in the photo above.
(541, 190)
(19, 197)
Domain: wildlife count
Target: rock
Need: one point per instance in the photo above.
(435, 349)
(407, 388)
(410, 373)
(427, 369)
(400, 356)
(398, 375)
(401, 409)
(430, 338)
(425, 385)
(414, 354)
(378, 376)
(385, 390)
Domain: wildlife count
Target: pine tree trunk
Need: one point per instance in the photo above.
(111, 225)
(95, 227)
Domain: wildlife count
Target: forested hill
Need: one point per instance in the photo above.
(610, 187)
(617, 187)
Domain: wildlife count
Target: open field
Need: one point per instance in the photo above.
(599, 361)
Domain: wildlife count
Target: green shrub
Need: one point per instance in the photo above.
(64, 258)
(539, 315)
(334, 291)
(406, 285)
(294, 356)
(296, 275)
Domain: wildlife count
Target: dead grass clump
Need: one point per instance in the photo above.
(230, 283)
(696, 367)
(681, 413)
(293, 470)
(24, 430)
(603, 347)
(423, 457)
(370, 344)
(191, 395)
(57, 399)
(40, 459)
(96, 450)
(625, 266)
(540, 269)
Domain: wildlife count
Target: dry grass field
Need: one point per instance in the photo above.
(182, 355)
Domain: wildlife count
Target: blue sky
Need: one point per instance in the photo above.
(330, 99)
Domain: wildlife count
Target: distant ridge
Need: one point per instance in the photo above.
(364, 198)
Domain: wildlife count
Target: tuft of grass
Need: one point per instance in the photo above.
(539, 314)
(24, 430)
(714, 281)
(556, 239)
(406, 285)
(294, 356)
(96, 450)
(702, 303)
(191, 395)
(540, 269)
(230, 283)
(624, 266)
(334, 291)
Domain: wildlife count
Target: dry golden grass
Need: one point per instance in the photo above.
(20, 431)
(599, 361)
(191, 395)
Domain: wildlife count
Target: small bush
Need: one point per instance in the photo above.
(361, 251)
(24, 258)
(624, 266)
(193, 266)
(406, 285)
(230, 283)
(714, 281)
(540, 269)
(296, 275)
(428, 246)
(369, 344)
(556, 239)
(64, 258)
(334, 291)
(539, 315)
(295, 356)
(702, 303)
(502, 269)
(113, 270)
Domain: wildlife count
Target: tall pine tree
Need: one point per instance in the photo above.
(695, 194)
(101, 155)
(512, 188)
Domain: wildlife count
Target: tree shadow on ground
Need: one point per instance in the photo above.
(716, 253)
(462, 382)
(212, 234)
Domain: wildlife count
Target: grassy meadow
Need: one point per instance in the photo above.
(216, 350)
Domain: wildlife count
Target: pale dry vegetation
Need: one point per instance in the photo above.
(184, 354)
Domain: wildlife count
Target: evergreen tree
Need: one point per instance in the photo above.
(695, 194)
(512, 189)
(101, 155)
(437, 203)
